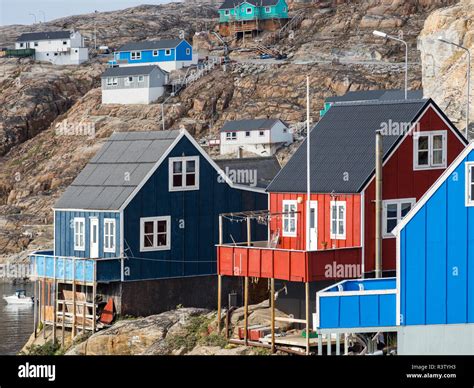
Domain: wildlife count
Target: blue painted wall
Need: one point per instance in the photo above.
(193, 249)
(177, 54)
(64, 233)
(437, 257)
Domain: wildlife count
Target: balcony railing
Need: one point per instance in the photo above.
(258, 260)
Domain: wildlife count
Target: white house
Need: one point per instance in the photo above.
(133, 85)
(261, 136)
(57, 47)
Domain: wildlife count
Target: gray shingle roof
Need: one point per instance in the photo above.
(266, 169)
(47, 35)
(343, 146)
(129, 70)
(116, 170)
(151, 45)
(260, 3)
(370, 95)
(248, 125)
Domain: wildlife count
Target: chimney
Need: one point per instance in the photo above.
(378, 204)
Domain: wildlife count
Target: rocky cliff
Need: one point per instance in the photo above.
(445, 66)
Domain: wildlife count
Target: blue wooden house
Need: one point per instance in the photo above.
(141, 220)
(169, 54)
(429, 304)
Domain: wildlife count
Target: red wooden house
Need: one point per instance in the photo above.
(419, 142)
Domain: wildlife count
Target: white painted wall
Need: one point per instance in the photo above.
(436, 340)
(132, 96)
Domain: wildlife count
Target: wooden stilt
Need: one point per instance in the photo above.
(338, 344)
(320, 344)
(73, 331)
(272, 305)
(219, 302)
(346, 344)
(246, 309)
(328, 343)
(307, 318)
(94, 290)
(63, 322)
(55, 301)
(35, 306)
(43, 293)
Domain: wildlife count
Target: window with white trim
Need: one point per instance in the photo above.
(79, 234)
(112, 81)
(469, 183)
(394, 210)
(227, 12)
(184, 173)
(109, 235)
(155, 53)
(168, 52)
(155, 233)
(268, 9)
(429, 150)
(261, 133)
(135, 55)
(141, 78)
(289, 218)
(188, 51)
(231, 135)
(249, 10)
(247, 134)
(338, 220)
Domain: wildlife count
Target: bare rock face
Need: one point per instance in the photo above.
(445, 66)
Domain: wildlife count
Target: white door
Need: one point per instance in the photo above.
(313, 225)
(94, 238)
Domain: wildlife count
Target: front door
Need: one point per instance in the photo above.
(313, 225)
(94, 238)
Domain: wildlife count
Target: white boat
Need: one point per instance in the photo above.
(19, 298)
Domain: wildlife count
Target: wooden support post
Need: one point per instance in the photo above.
(346, 344)
(73, 331)
(63, 322)
(307, 318)
(272, 305)
(246, 309)
(338, 344)
(219, 280)
(320, 344)
(328, 343)
(94, 290)
(35, 306)
(55, 300)
(43, 297)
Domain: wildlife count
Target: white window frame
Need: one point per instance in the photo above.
(141, 79)
(155, 53)
(268, 9)
(248, 133)
(286, 215)
(128, 81)
(335, 235)
(77, 234)
(249, 9)
(430, 135)
(468, 177)
(231, 136)
(109, 237)
(168, 52)
(227, 12)
(188, 51)
(398, 202)
(155, 246)
(135, 55)
(183, 159)
(112, 81)
(261, 133)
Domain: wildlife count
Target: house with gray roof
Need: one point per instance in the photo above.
(168, 54)
(56, 47)
(144, 212)
(259, 136)
(133, 85)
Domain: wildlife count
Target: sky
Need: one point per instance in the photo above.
(18, 11)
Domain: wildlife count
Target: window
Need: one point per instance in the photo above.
(155, 53)
(141, 78)
(112, 81)
(79, 233)
(393, 213)
(109, 235)
(261, 133)
(429, 150)
(248, 11)
(188, 51)
(155, 233)
(136, 55)
(285, 9)
(36, 44)
(168, 52)
(470, 184)
(129, 80)
(268, 9)
(231, 136)
(247, 134)
(64, 42)
(338, 220)
(184, 173)
(289, 218)
(22, 45)
(227, 12)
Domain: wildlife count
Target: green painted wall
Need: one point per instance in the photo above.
(240, 13)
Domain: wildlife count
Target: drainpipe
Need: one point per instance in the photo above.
(378, 204)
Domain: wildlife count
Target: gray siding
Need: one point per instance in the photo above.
(155, 79)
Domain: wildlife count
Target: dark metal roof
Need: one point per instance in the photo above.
(249, 125)
(129, 70)
(259, 3)
(48, 35)
(371, 95)
(266, 169)
(343, 146)
(116, 170)
(151, 45)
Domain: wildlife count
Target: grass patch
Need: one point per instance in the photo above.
(48, 349)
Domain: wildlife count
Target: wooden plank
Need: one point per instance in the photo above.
(219, 302)
(272, 302)
(290, 320)
(307, 317)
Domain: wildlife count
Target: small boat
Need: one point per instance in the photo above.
(19, 298)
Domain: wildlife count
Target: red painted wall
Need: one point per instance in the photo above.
(401, 181)
(353, 212)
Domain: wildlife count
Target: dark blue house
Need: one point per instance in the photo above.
(430, 303)
(169, 54)
(140, 221)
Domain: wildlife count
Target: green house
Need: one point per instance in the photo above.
(245, 10)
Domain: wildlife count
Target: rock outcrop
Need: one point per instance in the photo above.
(444, 66)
